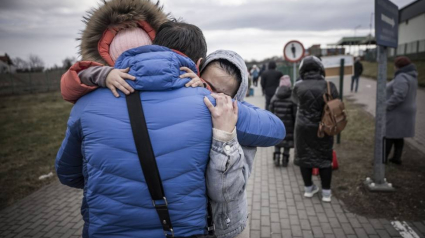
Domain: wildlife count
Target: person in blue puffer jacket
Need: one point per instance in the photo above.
(98, 153)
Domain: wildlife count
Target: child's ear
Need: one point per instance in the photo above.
(198, 64)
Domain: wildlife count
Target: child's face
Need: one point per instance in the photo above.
(220, 81)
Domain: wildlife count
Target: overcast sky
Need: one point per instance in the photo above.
(256, 29)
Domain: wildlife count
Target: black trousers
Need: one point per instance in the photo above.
(285, 150)
(325, 176)
(398, 148)
(268, 99)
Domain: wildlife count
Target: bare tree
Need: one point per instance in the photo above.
(20, 64)
(68, 62)
(36, 64)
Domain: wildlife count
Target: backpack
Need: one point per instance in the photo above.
(334, 118)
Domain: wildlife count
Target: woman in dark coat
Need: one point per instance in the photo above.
(310, 150)
(401, 107)
(284, 108)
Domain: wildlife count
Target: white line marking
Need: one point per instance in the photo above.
(405, 230)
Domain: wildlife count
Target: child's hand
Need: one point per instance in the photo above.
(225, 113)
(115, 79)
(195, 82)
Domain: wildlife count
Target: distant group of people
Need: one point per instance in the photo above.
(301, 107)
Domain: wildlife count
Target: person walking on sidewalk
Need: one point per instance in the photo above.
(284, 108)
(310, 150)
(358, 70)
(270, 81)
(401, 107)
(255, 73)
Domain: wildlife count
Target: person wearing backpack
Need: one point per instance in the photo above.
(311, 151)
(283, 107)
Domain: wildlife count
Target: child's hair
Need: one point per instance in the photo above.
(184, 37)
(229, 68)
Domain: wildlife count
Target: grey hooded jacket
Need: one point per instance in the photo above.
(401, 103)
(230, 167)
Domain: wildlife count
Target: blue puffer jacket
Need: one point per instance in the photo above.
(98, 153)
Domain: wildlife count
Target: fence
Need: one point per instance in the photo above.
(25, 83)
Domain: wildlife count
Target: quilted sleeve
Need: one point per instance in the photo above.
(71, 87)
(257, 127)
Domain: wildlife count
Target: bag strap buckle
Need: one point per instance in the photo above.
(171, 234)
(165, 200)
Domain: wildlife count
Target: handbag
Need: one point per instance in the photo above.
(150, 169)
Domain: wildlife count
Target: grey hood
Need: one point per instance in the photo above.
(237, 60)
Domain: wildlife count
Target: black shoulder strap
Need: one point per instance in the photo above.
(149, 166)
(148, 161)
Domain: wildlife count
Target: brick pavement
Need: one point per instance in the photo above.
(277, 209)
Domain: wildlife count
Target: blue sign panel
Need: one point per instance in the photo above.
(386, 23)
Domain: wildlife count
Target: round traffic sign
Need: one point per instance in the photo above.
(293, 51)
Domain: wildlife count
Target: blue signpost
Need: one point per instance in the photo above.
(386, 23)
(386, 33)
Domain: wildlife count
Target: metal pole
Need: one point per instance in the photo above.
(12, 83)
(341, 90)
(294, 74)
(379, 169)
(47, 80)
(30, 81)
(379, 183)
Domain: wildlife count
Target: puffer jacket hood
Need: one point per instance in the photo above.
(237, 60)
(157, 68)
(283, 92)
(116, 15)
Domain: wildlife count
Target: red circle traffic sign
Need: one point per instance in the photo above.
(296, 56)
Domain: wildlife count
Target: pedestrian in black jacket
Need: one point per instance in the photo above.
(283, 107)
(358, 70)
(310, 150)
(270, 81)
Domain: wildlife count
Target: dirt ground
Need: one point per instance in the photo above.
(355, 157)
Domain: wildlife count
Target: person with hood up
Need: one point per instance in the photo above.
(401, 107)
(284, 108)
(69, 167)
(310, 150)
(270, 81)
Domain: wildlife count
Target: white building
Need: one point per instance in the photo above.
(411, 29)
(6, 65)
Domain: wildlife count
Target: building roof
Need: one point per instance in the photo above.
(5, 58)
(358, 40)
(412, 10)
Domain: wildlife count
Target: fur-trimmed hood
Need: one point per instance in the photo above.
(116, 15)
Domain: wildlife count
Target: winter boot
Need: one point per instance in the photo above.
(285, 160)
(276, 158)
